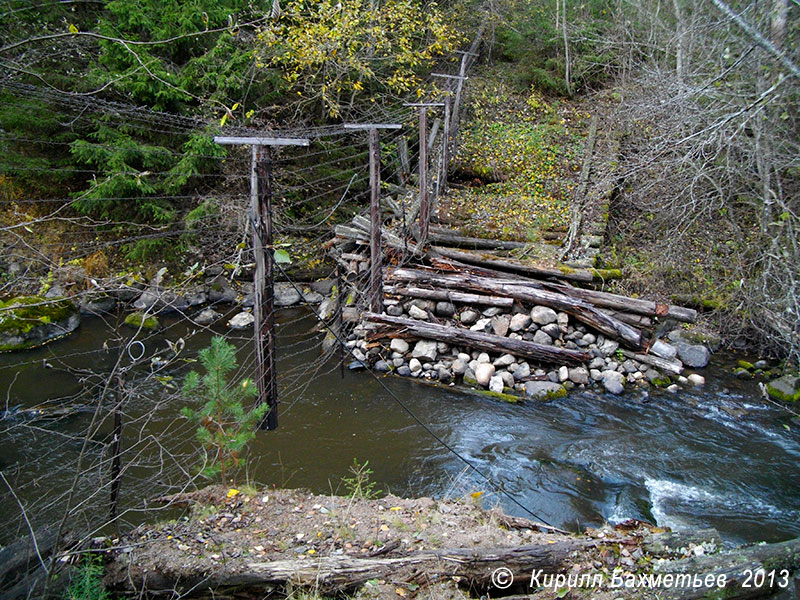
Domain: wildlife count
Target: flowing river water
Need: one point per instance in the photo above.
(715, 456)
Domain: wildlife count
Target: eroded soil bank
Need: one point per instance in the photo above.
(254, 544)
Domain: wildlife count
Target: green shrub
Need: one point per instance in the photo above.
(87, 580)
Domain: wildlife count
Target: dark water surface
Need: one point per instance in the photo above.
(679, 460)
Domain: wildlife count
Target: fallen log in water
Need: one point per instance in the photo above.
(581, 310)
(482, 341)
(663, 364)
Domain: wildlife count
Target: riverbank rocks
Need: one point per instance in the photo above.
(484, 371)
(613, 382)
(579, 375)
(785, 389)
(97, 304)
(425, 349)
(543, 315)
(445, 309)
(693, 355)
(415, 312)
(544, 390)
(696, 380)
(519, 322)
(30, 321)
(399, 346)
(243, 320)
(286, 294)
(207, 317)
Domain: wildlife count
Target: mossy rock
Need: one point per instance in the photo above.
(138, 320)
(31, 321)
(785, 389)
(662, 382)
(743, 364)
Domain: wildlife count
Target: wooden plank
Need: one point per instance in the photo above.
(424, 208)
(376, 252)
(369, 126)
(260, 141)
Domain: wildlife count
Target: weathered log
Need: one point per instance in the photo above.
(350, 233)
(387, 237)
(447, 295)
(448, 237)
(581, 310)
(515, 266)
(664, 364)
(482, 341)
(630, 319)
(338, 574)
(599, 299)
(738, 567)
(626, 304)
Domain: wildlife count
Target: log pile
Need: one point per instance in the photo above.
(465, 298)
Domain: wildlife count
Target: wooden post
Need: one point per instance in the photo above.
(338, 320)
(424, 209)
(376, 252)
(263, 280)
(404, 168)
(442, 181)
(451, 118)
(424, 201)
(266, 334)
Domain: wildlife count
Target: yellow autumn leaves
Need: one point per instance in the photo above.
(338, 51)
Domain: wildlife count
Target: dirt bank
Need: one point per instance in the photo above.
(278, 542)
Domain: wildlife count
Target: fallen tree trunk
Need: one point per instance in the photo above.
(448, 237)
(338, 574)
(451, 296)
(581, 310)
(514, 266)
(606, 300)
(626, 304)
(670, 366)
(739, 567)
(630, 319)
(482, 341)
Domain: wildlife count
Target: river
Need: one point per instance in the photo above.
(690, 459)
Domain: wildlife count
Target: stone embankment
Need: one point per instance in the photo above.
(607, 365)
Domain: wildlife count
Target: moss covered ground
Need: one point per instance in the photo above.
(23, 313)
(517, 160)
